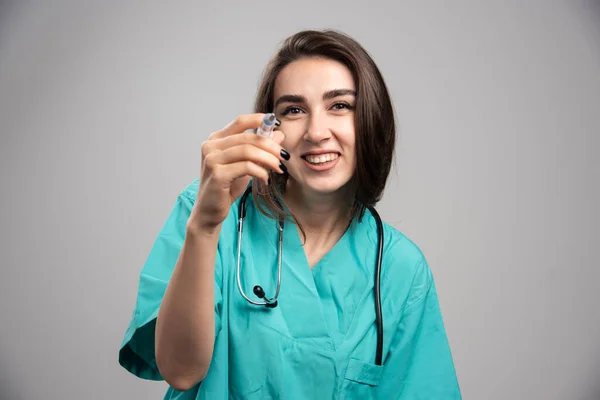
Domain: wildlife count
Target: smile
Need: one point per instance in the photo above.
(321, 158)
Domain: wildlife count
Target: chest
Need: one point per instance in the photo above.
(322, 332)
(314, 255)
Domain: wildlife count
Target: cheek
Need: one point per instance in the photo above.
(345, 127)
(288, 143)
(347, 136)
(293, 135)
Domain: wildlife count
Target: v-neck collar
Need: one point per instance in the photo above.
(300, 303)
(306, 315)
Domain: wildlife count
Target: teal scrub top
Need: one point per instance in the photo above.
(320, 342)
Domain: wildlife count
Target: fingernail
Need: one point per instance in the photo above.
(282, 167)
(277, 122)
(285, 154)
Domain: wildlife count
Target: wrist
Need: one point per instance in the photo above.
(195, 228)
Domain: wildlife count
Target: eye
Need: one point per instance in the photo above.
(291, 110)
(341, 105)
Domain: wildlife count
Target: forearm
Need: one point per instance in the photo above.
(185, 325)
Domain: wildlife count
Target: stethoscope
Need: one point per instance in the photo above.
(272, 302)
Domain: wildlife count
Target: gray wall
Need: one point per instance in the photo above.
(104, 105)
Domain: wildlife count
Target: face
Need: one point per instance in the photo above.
(315, 100)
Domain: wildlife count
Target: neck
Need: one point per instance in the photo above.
(320, 215)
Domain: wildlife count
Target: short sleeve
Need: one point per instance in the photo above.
(420, 364)
(137, 353)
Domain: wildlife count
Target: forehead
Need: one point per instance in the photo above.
(313, 76)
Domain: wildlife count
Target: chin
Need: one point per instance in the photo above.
(325, 188)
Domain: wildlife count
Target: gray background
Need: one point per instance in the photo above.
(104, 106)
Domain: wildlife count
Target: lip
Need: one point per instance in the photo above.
(321, 168)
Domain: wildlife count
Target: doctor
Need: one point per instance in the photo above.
(336, 330)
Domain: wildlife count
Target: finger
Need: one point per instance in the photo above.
(230, 172)
(240, 124)
(248, 152)
(258, 141)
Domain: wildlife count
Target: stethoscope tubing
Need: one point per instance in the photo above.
(273, 301)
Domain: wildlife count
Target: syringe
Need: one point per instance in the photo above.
(268, 125)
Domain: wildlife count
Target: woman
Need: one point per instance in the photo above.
(320, 173)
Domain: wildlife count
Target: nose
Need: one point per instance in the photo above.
(317, 130)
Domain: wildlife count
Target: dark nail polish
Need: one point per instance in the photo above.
(277, 123)
(285, 154)
(282, 167)
(269, 182)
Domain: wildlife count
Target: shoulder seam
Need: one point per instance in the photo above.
(422, 296)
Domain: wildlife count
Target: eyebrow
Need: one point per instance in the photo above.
(331, 94)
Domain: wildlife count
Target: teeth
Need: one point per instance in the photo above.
(320, 159)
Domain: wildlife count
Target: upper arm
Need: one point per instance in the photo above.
(419, 362)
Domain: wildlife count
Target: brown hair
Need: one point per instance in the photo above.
(374, 116)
